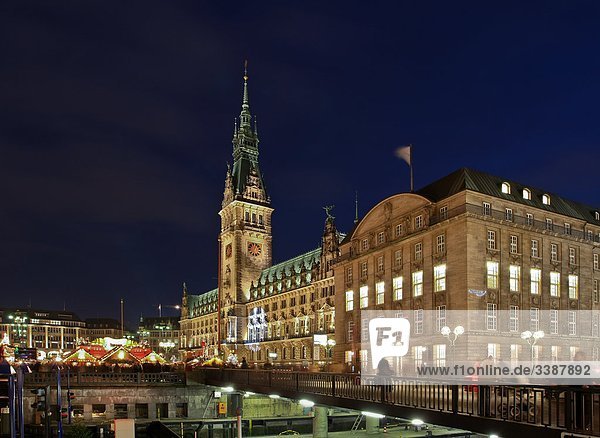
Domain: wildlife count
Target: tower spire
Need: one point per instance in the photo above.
(245, 116)
(356, 206)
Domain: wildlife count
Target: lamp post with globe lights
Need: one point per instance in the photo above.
(532, 338)
(452, 336)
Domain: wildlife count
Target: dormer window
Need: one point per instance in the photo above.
(505, 188)
(597, 214)
(546, 199)
(526, 194)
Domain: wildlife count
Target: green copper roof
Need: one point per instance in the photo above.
(469, 179)
(291, 266)
(203, 304)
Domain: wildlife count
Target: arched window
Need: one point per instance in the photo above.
(597, 216)
(546, 199)
(526, 194)
(505, 188)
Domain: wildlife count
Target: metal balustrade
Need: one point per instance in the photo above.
(109, 378)
(556, 409)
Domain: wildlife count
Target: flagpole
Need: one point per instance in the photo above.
(412, 188)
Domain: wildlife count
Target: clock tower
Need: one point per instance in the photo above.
(245, 241)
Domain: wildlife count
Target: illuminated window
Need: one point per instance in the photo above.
(418, 222)
(596, 294)
(380, 264)
(536, 280)
(526, 194)
(364, 297)
(597, 215)
(365, 244)
(349, 300)
(508, 214)
(553, 321)
(417, 280)
(514, 244)
(513, 323)
(596, 261)
(573, 287)
(546, 199)
(554, 284)
(534, 248)
(567, 228)
(380, 292)
(418, 252)
(492, 275)
(397, 285)
(398, 259)
(515, 278)
(492, 317)
(554, 252)
(441, 244)
(491, 239)
(380, 238)
(506, 188)
(549, 226)
(439, 278)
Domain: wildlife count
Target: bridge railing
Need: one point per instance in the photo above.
(572, 408)
(108, 378)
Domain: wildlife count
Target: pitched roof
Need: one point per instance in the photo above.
(474, 180)
(291, 266)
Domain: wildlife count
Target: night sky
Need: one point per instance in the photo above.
(116, 121)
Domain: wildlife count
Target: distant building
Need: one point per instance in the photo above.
(98, 328)
(161, 334)
(46, 330)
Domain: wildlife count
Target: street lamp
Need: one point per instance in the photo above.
(532, 338)
(172, 306)
(329, 346)
(452, 336)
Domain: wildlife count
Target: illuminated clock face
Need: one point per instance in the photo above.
(254, 249)
(228, 251)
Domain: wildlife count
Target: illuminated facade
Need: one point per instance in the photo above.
(161, 334)
(260, 311)
(469, 241)
(472, 241)
(100, 328)
(41, 329)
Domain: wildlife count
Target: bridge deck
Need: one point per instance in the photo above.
(503, 410)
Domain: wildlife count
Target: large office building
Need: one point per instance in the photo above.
(470, 241)
(48, 331)
(474, 242)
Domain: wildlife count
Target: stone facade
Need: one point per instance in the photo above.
(470, 241)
